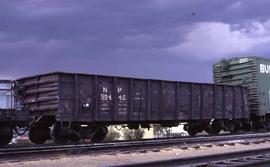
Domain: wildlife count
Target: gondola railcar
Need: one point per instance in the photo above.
(72, 106)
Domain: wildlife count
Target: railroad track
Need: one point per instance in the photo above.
(36, 151)
(247, 158)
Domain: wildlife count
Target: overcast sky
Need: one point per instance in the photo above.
(162, 39)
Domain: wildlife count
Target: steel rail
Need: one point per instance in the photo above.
(128, 145)
(247, 158)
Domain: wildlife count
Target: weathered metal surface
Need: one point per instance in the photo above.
(251, 72)
(95, 98)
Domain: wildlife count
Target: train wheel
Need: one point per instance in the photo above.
(38, 135)
(58, 135)
(6, 135)
(234, 127)
(191, 129)
(246, 126)
(100, 135)
(213, 128)
(74, 138)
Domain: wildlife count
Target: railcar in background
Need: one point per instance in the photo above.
(254, 74)
(10, 119)
(72, 106)
(6, 112)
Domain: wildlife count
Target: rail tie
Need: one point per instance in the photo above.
(141, 145)
(254, 158)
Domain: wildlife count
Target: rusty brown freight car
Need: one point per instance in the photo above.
(83, 105)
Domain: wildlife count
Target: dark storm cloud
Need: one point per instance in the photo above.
(174, 39)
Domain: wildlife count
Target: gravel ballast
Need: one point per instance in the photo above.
(119, 158)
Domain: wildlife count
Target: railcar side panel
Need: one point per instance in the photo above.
(228, 101)
(169, 110)
(86, 97)
(67, 95)
(94, 98)
(105, 98)
(155, 100)
(185, 101)
(208, 100)
(138, 100)
(122, 105)
(219, 102)
(196, 101)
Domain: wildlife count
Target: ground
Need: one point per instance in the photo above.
(118, 158)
